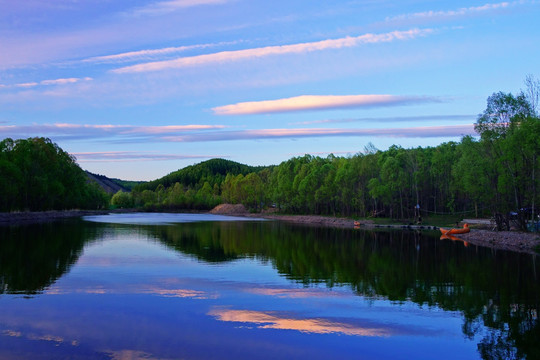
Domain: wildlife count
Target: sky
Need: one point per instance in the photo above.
(136, 89)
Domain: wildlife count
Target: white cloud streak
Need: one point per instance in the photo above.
(318, 102)
(150, 54)
(255, 53)
(389, 119)
(47, 83)
(131, 156)
(88, 132)
(465, 11)
(165, 7)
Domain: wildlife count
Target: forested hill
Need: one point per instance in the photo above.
(212, 171)
(36, 174)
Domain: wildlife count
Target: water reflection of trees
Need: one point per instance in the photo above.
(497, 292)
(32, 257)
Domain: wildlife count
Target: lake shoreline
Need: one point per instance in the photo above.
(498, 240)
(29, 217)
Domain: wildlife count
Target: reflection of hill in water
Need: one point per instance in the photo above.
(32, 257)
(497, 289)
(494, 290)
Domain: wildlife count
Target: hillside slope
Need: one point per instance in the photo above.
(108, 185)
(213, 171)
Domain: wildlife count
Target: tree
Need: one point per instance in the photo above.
(532, 93)
(122, 200)
(509, 131)
(502, 110)
(253, 189)
(474, 174)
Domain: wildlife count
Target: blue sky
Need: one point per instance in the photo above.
(136, 89)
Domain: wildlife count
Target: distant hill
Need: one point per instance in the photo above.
(213, 170)
(110, 185)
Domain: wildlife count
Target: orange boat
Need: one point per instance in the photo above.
(465, 229)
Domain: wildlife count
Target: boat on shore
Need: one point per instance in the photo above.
(465, 229)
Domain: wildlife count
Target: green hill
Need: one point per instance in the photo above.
(212, 171)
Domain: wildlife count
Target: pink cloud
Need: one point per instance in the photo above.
(317, 102)
(274, 320)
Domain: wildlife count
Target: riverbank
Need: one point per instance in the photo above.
(501, 240)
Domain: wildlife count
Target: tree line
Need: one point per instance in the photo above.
(36, 174)
(496, 172)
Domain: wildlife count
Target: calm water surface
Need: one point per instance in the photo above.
(184, 286)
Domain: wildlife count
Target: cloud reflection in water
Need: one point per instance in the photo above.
(274, 320)
(148, 289)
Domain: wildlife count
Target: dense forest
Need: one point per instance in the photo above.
(35, 174)
(496, 172)
(197, 187)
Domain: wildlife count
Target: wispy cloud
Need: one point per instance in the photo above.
(236, 55)
(151, 54)
(319, 102)
(64, 81)
(461, 12)
(164, 7)
(209, 133)
(390, 119)
(85, 131)
(130, 156)
(446, 131)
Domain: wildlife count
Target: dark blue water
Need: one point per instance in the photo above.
(184, 286)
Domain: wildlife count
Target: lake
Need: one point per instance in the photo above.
(192, 286)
